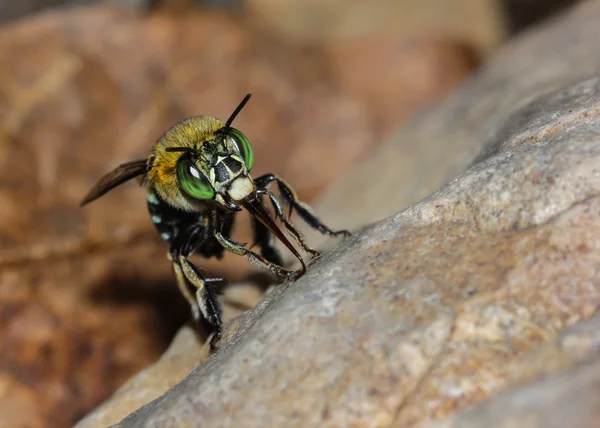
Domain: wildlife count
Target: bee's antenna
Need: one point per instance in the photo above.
(237, 110)
(179, 149)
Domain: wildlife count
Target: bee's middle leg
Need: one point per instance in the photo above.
(204, 302)
(255, 258)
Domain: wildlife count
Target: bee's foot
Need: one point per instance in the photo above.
(214, 339)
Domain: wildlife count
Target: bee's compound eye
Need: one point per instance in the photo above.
(192, 181)
(243, 146)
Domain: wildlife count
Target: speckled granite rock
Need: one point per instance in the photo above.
(447, 302)
(565, 393)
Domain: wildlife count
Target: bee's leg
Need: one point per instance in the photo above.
(265, 240)
(304, 211)
(255, 258)
(184, 288)
(204, 304)
(288, 224)
(182, 244)
(206, 296)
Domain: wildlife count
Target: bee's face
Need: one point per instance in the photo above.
(199, 160)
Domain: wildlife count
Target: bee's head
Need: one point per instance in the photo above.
(218, 169)
(201, 159)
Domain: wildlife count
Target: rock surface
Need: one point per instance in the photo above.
(565, 394)
(487, 283)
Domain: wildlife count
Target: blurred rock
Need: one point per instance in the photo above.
(449, 301)
(71, 332)
(86, 89)
(398, 76)
(170, 369)
(568, 399)
(476, 23)
(188, 350)
(522, 14)
(10, 9)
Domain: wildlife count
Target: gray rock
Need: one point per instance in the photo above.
(568, 399)
(566, 393)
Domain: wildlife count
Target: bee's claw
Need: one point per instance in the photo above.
(213, 340)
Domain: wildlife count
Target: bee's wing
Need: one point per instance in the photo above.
(119, 175)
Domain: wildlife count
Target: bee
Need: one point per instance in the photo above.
(197, 177)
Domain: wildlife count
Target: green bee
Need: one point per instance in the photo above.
(197, 178)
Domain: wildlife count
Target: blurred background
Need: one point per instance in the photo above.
(87, 298)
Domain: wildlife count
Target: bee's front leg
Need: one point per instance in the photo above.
(303, 210)
(255, 258)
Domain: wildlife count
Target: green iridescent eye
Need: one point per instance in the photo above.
(243, 146)
(192, 181)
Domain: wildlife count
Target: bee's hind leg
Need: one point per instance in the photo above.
(255, 258)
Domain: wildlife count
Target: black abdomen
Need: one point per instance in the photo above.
(169, 222)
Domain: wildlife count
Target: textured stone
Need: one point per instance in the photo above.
(568, 399)
(564, 391)
(446, 302)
